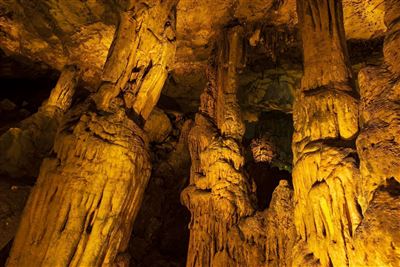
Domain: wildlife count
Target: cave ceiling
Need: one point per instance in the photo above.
(57, 32)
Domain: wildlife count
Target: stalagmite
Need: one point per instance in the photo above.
(220, 193)
(325, 113)
(23, 148)
(378, 145)
(88, 193)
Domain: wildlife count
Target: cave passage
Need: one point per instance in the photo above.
(200, 133)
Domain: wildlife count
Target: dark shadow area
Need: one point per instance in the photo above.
(24, 86)
(267, 179)
(5, 252)
(268, 153)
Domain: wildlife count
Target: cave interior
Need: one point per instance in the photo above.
(200, 133)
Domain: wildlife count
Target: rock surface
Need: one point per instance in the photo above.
(59, 32)
(12, 201)
(90, 189)
(219, 193)
(262, 61)
(158, 126)
(378, 147)
(160, 235)
(325, 115)
(24, 147)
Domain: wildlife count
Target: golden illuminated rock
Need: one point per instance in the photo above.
(225, 229)
(82, 208)
(23, 148)
(219, 193)
(325, 114)
(377, 239)
(158, 126)
(92, 203)
(57, 32)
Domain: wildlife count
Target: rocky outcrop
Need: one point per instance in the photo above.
(24, 147)
(82, 208)
(325, 114)
(377, 238)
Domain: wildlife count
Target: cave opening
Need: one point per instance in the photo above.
(268, 142)
(25, 85)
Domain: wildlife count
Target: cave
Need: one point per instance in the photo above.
(200, 133)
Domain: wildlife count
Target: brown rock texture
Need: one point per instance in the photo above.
(325, 114)
(12, 200)
(378, 145)
(158, 126)
(24, 148)
(82, 208)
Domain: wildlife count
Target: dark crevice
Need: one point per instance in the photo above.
(89, 226)
(267, 179)
(64, 224)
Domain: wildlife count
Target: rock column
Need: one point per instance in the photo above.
(325, 113)
(378, 145)
(88, 193)
(220, 193)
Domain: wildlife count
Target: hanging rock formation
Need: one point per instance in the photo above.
(325, 114)
(225, 229)
(82, 208)
(220, 193)
(114, 169)
(377, 238)
(23, 148)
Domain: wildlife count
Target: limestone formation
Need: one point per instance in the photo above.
(266, 238)
(378, 145)
(24, 147)
(219, 193)
(202, 133)
(158, 126)
(325, 114)
(82, 208)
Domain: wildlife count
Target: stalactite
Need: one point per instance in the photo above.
(88, 193)
(23, 148)
(325, 113)
(377, 238)
(225, 229)
(220, 193)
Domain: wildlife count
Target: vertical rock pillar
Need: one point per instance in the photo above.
(378, 238)
(325, 113)
(219, 193)
(23, 148)
(82, 208)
